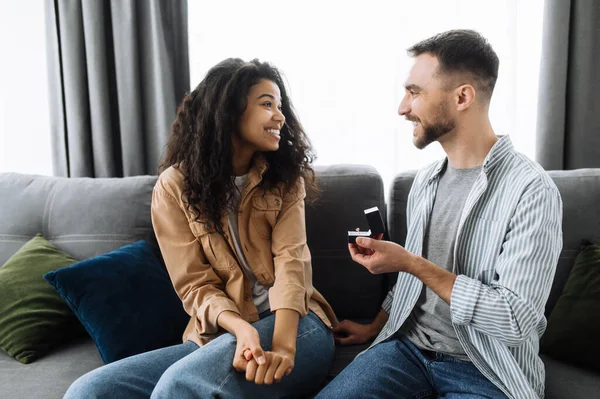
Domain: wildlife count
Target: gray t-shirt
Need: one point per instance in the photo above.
(260, 295)
(429, 325)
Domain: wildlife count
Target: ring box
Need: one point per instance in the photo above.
(352, 235)
(376, 226)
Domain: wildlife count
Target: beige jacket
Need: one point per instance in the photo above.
(204, 267)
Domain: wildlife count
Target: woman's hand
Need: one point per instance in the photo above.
(248, 349)
(248, 341)
(280, 359)
(279, 364)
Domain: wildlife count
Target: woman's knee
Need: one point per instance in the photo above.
(314, 336)
(94, 384)
(199, 374)
(170, 384)
(182, 383)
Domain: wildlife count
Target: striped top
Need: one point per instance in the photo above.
(507, 246)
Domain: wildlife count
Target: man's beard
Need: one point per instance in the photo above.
(434, 132)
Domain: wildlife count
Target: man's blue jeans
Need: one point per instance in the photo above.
(189, 371)
(398, 369)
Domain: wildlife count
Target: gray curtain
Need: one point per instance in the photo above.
(117, 71)
(568, 125)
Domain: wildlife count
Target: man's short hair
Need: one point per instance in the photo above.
(463, 51)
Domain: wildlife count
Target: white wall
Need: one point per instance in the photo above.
(24, 123)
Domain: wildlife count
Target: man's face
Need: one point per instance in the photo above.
(426, 103)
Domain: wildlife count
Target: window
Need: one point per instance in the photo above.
(346, 63)
(24, 115)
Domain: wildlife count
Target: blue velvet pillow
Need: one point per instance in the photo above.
(124, 299)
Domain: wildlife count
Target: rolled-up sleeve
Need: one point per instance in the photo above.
(510, 308)
(291, 257)
(193, 278)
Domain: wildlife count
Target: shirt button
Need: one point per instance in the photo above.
(247, 297)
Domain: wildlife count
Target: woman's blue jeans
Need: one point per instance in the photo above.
(188, 371)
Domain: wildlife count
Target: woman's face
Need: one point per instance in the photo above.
(262, 120)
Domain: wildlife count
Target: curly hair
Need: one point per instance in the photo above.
(200, 144)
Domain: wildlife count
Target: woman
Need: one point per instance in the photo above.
(228, 213)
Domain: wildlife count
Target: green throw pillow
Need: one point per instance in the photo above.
(33, 316)
(574, 324)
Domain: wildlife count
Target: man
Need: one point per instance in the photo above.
(484, 235)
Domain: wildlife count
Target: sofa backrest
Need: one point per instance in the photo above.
(580, 192)
(398, 197)
(346, 191)
(87, 217)
(83, 217)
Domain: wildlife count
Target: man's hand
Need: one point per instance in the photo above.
(385, 256)
(381, 256)
(248, 349)
(351, 333)
(278, 364)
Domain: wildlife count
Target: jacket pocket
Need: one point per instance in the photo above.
(265, 209)
(211, 244)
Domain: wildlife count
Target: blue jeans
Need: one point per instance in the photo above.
(398, 369)
(189, 371)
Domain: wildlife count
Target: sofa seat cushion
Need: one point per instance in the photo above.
(565, 381)
(344, 355)
(50, 376)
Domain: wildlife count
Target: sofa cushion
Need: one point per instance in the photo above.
(574, 324)
(399, 191)
(33, 317)
(565, 381)
(346, 191)
(580, 192)
(83, 217)
(124, 299)
(50, 376)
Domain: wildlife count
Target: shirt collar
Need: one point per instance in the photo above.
(258, 169)
(495, 156)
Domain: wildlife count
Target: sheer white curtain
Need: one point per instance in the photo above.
(24, 115)
(346, 64)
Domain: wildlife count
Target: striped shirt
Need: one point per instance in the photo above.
(507, 246)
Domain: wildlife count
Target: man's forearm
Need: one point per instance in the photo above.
(441, 281)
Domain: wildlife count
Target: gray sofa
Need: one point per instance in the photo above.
(87, 217)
